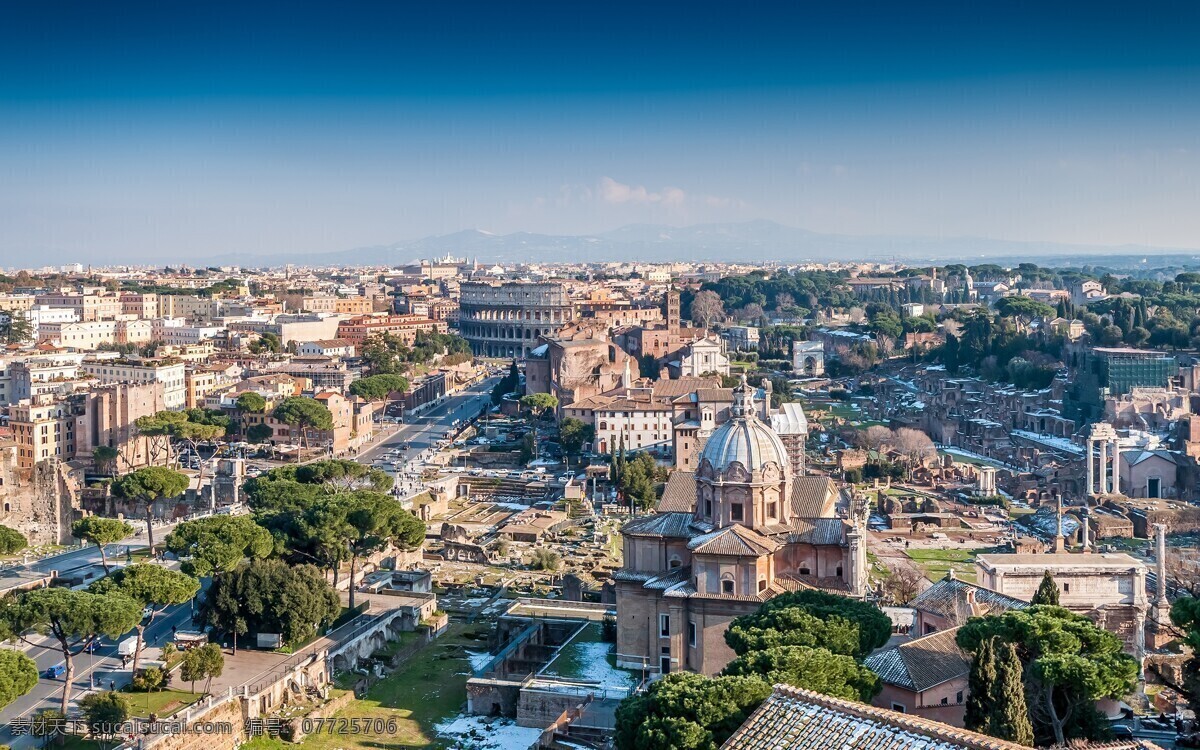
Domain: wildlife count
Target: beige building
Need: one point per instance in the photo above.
(1110, 588)
(143, 306)
(84, 336)
(171, 374)
(748, 531)
(43, 430)
(88, 306)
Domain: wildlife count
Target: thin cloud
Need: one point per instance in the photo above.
(615, 192)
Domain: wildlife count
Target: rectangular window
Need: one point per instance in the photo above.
(692, 634)
(664, 626)
(771, 511)
(735, 512)
(959, 698)
(1066, 588)
(898, 707)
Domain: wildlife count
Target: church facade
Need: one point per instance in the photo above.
(739, 530)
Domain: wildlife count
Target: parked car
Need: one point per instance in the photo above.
(58, 670)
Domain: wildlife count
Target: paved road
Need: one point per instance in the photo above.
(104, 666)
(90, 555)
(425, 429)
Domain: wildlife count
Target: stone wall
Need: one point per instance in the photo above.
(41, 503)
(206, 733)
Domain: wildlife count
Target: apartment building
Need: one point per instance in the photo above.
(403, 327)
(43, 429)
(36, 377)
(16, 302)
(142, 305)
(40, 314)
(205, 379)
(322, 373)
(330, 348)
(84, 335)
(171, 374)
(88, 306)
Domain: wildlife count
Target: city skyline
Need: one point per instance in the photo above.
(142, 132)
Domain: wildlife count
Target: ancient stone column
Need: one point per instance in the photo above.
(1091, 467)
(1160, 560)
(1104, 468)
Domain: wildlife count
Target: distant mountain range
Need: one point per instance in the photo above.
(746, 241)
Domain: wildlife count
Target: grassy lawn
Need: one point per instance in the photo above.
(265, 742)
(164, 702)
(76, 742)
(427, 689)
(937, 562)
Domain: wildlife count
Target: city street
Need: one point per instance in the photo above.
(104, 667)
(423, 430)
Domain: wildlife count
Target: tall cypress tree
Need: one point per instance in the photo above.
(1009, 718)
(979, 688)
(1047, 592)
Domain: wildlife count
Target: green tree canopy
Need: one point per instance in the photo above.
(151, 586)
(205, 662)
(686, 711)
(816, 669)
(217, 544)
(147, 485)
(272, 596)
(73, 619)
(573, 433)
(1047, 592)
(507, 384)
(303, 413)
(100, 532)
(11, 541)
(1185, 615)
(1023, 307)
(250, 402)
(259, 433)
(539, 402)
(371, 522)
(18, 675)
(638, 479)
(1068, 664)
(811, 618)
(378, 387)
(104, 712)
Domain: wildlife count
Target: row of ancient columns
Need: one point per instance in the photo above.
(1100, 480)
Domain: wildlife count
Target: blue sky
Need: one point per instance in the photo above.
(168, 130)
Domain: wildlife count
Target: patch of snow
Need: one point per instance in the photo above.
(1054, 441)
(595, 667)
(486, 733)
(478, 659)
(511, 506)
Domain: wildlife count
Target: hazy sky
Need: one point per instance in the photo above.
(169, 129)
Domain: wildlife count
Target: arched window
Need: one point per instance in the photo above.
(727, 583)
(675, 562)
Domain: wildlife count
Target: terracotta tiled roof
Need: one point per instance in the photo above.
(733, 541)
(817, 531)
(814, 497)
(679, 495)
(921, 663)
(795, 719)
(948, 598)
(675, 525)
(666, 389)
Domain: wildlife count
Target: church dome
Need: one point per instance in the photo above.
(744, 439)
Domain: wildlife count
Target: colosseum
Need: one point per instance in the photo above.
(505, 320)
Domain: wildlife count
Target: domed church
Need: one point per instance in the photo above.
(737, 532)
